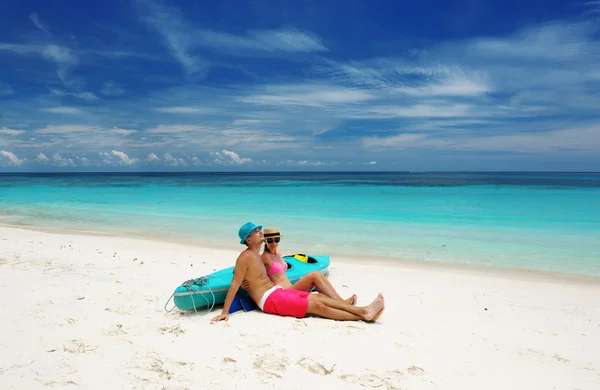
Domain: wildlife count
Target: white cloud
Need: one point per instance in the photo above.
(153, 157)
(176, 34)
(307, 163)
(283, 40)
(392, 142)
(396, 76)
(229, 157)
(451, 87)
(172, 161)
(38, 23)
(413, 111)
(81, 95)
(174, 129)
(61, 55)
(60, 161)
(538, 71)
(584, 139)
(41, 157)
(125, 132)
(84, 161)
(66, 129)
(63, 58)
(116, 157)
(183, 110)
(551, 41)
(21, 48)
(182, 39)
(252, 122)
(315, 95)
(64, 110)
(4, 130)
(10, 158)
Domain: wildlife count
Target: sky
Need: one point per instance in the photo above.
(262, 85)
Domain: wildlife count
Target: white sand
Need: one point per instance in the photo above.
(87, 311)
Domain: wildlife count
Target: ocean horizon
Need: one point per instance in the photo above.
(548, 221)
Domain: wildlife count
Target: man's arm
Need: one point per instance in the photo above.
(239, 273)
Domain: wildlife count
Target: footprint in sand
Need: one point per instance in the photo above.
(116, 331)
(176, 330)
(560, 359)
(270, 362)
(385, 380)
(314, 366)
(53, 383)
(355, 326)
(414, 370)
(154, 364)
(299, 325)
(158, 366)
(77, 346)
(535, 351)
(351, 329)
(126, 310)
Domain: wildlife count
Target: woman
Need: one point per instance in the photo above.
(276, 268)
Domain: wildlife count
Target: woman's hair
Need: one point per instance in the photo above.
(267, 247)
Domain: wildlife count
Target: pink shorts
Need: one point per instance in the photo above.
(286, 302)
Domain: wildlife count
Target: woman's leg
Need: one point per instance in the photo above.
(318, 280)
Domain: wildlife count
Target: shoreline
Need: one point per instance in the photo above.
(452, 267)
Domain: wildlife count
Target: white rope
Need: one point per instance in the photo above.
(203, 280)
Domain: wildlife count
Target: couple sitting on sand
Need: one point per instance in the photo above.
(267, 284)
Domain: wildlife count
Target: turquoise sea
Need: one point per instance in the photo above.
(541, 221)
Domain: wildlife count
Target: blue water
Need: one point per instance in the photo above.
(541, 221)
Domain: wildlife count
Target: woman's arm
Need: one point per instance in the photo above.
(266, 259)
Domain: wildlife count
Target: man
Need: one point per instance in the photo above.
(274, 299)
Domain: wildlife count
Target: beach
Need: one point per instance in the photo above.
(88, 311)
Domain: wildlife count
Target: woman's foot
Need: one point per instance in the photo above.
(352, 300)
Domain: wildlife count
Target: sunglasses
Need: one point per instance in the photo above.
(270, 240)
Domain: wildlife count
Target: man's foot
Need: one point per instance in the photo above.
(352, 300)
(378, 314)
(374, 310)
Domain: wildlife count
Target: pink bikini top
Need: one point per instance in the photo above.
(276, 268)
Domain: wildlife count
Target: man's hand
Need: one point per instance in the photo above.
(222, 316)
(239, 274)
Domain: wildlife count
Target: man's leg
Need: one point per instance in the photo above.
(318, 280)
(326, 307)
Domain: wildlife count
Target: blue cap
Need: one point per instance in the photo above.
(245, 231)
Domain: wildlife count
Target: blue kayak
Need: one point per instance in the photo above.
(210, 290)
